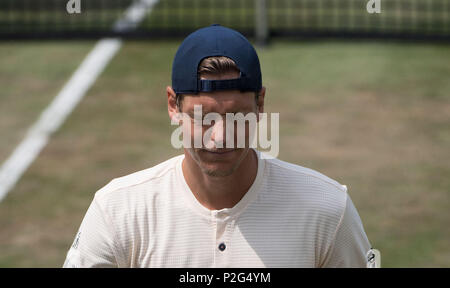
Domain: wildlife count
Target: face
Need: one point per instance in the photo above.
(211, 158)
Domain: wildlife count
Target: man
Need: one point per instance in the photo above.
(217, 206)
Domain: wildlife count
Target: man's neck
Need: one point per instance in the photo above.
(216, 193)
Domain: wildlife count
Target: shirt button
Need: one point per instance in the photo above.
(222, 246)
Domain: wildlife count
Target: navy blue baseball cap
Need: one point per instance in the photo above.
(211, 41)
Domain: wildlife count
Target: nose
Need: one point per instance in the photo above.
(217, 135)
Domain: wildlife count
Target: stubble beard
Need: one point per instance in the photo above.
(217, 172)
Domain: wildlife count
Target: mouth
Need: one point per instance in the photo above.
(219, 152)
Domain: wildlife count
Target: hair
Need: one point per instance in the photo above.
(215, 66)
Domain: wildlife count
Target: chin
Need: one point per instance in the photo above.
(218, 172)
(219, 169)
(218, 165)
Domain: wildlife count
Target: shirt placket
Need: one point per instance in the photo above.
(223, 227)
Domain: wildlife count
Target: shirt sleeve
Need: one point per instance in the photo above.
(350, 244)
(94, 243)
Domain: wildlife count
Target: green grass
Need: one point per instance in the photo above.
(372, 116)
(31, 74)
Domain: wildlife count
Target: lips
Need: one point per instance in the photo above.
(219, 152)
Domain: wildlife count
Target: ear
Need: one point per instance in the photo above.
(171, 102)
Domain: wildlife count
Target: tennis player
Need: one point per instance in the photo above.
(216, 206)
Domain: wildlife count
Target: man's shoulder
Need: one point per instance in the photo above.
(138, 178)
(305, 189)
(297, 173)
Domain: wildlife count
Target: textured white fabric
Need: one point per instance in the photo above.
(291, 217)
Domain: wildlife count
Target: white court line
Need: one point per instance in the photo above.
(67, 99)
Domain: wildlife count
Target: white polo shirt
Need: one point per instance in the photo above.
(291, 217)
